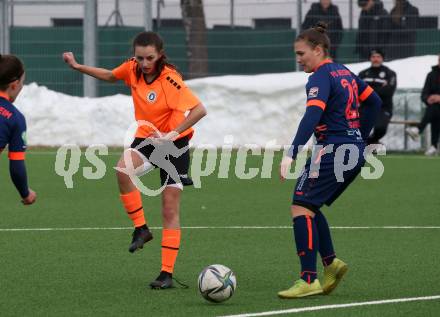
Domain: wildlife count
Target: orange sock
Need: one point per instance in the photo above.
(170, 248)
(133, 206)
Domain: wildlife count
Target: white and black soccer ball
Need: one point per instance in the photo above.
(217, 283)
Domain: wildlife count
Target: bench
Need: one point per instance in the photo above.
(405, 122)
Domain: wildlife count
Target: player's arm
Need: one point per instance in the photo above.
(17, 171)
(99, 73)
(371, 104)
(17, 168)
(305, 130)
(318, 90)
(181, 98)
(194, 116)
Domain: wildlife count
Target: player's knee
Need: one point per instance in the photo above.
(170, 206)
(120, 165)
(170, 213)
(122, 177)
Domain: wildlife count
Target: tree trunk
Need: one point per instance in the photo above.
(195, 28)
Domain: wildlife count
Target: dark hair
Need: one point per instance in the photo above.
(152, 39)
(316, 36)
(362, 3)
(376, 51)
(11, 69)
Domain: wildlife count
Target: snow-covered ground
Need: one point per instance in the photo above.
(253, 109)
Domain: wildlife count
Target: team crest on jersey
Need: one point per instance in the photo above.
(151, 96)
(382, 74)
(313, 92)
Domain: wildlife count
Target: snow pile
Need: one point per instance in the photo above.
(253, 109)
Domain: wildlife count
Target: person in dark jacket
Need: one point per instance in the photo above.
(404, 17)
(383, 81)
(373, 30)
(431, 97)
(326, 12)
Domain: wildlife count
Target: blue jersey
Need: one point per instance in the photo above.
(12, 129)
(333, 97)
(338, 92)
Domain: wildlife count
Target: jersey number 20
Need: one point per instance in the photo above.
(352, 108)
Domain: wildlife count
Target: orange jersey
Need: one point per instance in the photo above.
(162, 103)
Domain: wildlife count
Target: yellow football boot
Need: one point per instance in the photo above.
(333, 274)
(302, 289)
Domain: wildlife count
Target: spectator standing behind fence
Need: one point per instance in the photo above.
(404, 17)
(383, 81)
(373, 30)
(326, 11)
(431, 97)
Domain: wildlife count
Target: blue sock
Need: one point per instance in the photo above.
(326, 249)
(306, 239)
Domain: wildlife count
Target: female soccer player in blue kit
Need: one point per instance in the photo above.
(13, 124)
(333, 96)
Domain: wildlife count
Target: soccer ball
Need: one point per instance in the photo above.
(217, 283)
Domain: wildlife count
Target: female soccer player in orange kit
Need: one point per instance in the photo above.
(161, 99)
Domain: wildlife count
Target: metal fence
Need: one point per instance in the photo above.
(408, 107)
(242, 36)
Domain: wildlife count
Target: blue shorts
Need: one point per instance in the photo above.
(326, 176)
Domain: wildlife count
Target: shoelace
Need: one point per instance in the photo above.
(180, 283)
(297, 282)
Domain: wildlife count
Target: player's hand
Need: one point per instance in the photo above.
(30, 199)
(70, 60)
(165, 137)
(157, 134)
(436, 98)
(431, 99)
(170, 136)
(285, 164)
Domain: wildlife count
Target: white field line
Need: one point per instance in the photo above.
(326, 307)
(218, 227)
(55, 153)
(390, 156)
